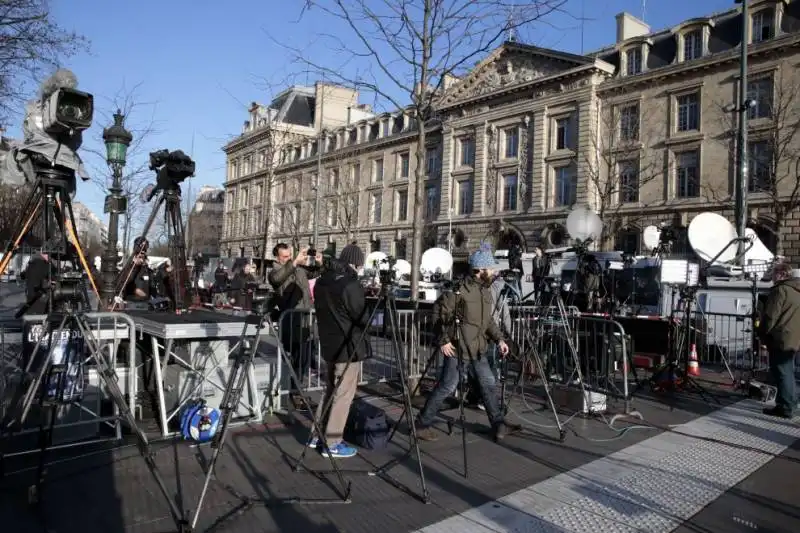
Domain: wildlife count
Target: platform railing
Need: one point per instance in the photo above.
(79, 423)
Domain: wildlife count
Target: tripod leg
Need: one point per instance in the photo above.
(461, 411)
(428, 366)
(230, 402)
(68, 217)
(391, 310)
(109, 378)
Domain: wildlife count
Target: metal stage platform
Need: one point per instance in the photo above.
(193, 349)
(725, 470)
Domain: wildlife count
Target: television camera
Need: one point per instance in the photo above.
(171, 169)
(386, 275)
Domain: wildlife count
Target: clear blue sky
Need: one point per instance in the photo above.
(200, 62)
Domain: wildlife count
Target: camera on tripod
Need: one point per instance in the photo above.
(262, 297)
(171, 169)
(68, 288)
(386, 276)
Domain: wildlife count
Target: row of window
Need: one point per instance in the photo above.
(693, 43)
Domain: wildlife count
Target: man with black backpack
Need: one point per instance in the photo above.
(342, 316)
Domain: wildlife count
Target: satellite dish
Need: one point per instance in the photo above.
(436, 261)
(402, 267)
(651, 237)
(583, 224)
(709, 236)
(374, 261)
(757, 253)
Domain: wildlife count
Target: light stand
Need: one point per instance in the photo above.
(117, 139)
(755, 272)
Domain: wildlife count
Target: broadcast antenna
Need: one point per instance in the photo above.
(644, 9)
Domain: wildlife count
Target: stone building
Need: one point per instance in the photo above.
(204, 225)
(90, 228)
(642, 131)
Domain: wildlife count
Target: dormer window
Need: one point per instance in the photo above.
(633, 60)
(693, 45)
(692, 39)
(763, 25)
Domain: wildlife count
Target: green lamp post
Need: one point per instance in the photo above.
(117, 140)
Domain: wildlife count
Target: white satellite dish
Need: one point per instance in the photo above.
(402, 267)
(651, 237)
(583, 224)
(374, 261)
(436, 261)
(756, 252)
(710, 235)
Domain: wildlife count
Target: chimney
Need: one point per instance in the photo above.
(629, 27)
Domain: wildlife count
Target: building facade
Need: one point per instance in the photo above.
(204, 226)
(90, 228)
(642, 131)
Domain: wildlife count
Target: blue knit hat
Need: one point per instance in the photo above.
(483, 258)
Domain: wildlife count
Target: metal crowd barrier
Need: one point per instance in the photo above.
(89, 421)
(297, 331)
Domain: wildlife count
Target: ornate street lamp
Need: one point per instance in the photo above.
(117, 140)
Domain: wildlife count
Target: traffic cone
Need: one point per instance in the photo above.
(694, 364)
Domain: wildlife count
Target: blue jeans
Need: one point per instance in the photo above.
(448, 381)
(782, 369)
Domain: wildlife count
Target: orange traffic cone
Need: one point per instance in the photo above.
(694, 364)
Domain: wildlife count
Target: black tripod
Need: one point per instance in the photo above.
(58, 381)
(243, 360)
(671, 373)
(386, 303)
(170, 198)
(50, 201)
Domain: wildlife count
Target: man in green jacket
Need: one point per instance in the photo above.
(472, 305)
(780, 332)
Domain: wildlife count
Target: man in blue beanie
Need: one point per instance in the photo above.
(468, 341)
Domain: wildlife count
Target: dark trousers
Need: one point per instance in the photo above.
(781, 365)
(448, 381)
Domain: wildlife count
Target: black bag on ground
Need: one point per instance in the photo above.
(367, 426)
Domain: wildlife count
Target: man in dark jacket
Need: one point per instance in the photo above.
(780, 332)
(342, 317)
(468, 342)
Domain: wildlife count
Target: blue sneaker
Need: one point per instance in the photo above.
(340, 450)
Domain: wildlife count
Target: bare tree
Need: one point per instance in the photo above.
(773, 145)
(413, 47)
(621, 163)
(342, 186)
(140, 120)
(12, 202)
(293, 209)
(30, 43)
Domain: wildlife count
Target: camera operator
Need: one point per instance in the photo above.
(139, 286)
(588, 273)
(289, 279)
(779, 330)
(163, 280)
(471, 304)
(342, 316)
(539, 271)
(501, 314)
(221, 282)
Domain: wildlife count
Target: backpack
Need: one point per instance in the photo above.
(367, 426)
